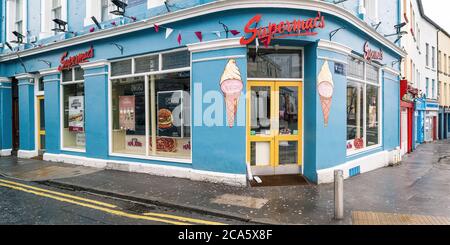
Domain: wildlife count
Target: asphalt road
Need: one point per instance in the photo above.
(30, 203)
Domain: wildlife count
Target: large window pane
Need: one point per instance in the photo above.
(128, 105)
(260, 110)
(355, 116)
(272, 63)
(288, 123)
(146, 64)
(372, 74)
(74, 120)
(372, 116)
(171, 118)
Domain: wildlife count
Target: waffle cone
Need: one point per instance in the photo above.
(326, 107)
(232, 101)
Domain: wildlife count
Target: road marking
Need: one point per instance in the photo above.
(198, 221)
(59, 194)
(61, 197)
(107, 210)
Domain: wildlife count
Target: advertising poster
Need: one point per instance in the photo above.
(170, 122)
(127, 114)
(76, 113)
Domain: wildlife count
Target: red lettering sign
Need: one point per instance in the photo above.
(283, 29)
(370, 54)
(67, 63)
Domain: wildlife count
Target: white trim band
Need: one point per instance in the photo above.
(27, 154)
(215, 45)
(334, 46)
(220, 58)
(153, 169)
(5, 152)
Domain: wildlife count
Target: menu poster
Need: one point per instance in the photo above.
(127, 114)
(76, 113)
(170, 105)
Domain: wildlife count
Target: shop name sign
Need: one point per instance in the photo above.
(370, 54)
(283, 29)
(70, 62)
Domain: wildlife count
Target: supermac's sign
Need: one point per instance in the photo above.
(370, 54)
(283, 29)
(70, 62)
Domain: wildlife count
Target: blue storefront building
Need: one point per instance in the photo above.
(218, 91)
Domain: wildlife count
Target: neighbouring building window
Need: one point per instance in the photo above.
(154, 3)
(433, 57)
(363, 106)
(73, 106)
(371, 7)
(433, 89)
(16, 17)
(50, 10)
(151, 111)
(427, 85)
(440, 61)
(427, 54)
(445, 64)
(272, 63)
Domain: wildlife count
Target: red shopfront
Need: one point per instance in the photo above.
(407, 95)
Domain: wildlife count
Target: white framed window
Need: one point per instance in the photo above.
(73, 137)
(100, 9)
(150, 107)
(51, 9)
(154, 3)
(363, 106)
(371, 7)
(427, 55)
(433, 57)
(16, 18)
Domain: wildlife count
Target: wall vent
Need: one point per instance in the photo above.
(354, 171)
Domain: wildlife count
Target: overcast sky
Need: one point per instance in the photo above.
(438, 11)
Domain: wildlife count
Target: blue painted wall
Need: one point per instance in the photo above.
(52, 115)
(26, 115)
(5, 116)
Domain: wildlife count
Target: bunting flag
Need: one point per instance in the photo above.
(168, 32)
(199, 35)
(179, 38)
(217, 33)
(156, 27)
(235, 32)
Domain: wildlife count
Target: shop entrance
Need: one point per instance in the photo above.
(274, 127)
(41, 124)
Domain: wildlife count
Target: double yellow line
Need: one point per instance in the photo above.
(104, 207)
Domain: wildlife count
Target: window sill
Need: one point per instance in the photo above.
(153, 158)
(363, 151)
(74, 150)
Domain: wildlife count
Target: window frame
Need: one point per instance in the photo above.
(61, 103)
(379, 85)
(146, 75)
(11, 20)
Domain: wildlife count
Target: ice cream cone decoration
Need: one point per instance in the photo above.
(325, 87)
(231, 85)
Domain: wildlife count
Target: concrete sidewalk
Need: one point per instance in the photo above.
(419, 186)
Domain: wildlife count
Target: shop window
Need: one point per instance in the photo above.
(275, 63)
(151, 111)
(363, 107)
(73, 106)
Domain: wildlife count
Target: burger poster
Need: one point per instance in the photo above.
(127, 118)
(169, 122)
(76, 113)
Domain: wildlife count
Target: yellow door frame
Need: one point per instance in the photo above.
(40, 132)
(274, 138)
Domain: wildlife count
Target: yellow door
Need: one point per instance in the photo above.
(274, 127)
(41, 124)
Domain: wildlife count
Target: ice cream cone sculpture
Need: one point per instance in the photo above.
(231, 85)
(325, 87)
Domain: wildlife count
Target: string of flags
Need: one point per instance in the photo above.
(198, 34)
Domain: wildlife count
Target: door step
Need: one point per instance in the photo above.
(279, 180)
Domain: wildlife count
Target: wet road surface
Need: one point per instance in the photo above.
(30, 203)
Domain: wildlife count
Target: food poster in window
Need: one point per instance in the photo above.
(127, 113)
(135, 143)
(170, 114)
(76, 113)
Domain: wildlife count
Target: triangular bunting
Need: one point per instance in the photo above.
(168, 32)
(217, 33)
(179, 38)
(156, 27)
(199, 35)
(235, 32)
